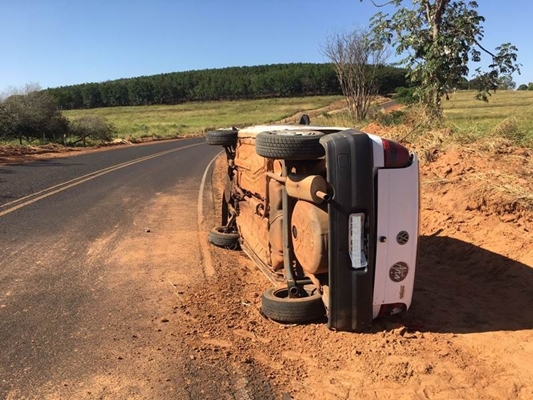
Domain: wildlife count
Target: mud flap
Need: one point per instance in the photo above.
(349, 163)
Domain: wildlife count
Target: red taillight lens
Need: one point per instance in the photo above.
(396, 156)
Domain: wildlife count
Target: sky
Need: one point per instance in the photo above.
(58, 42)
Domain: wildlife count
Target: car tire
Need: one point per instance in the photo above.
(220, 238)
(278, 306)
(222, 138)
(289, 146)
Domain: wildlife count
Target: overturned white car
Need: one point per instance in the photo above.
(330, 214)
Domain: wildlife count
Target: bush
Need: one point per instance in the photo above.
(396, 117)
(92, 127)
(405, 95)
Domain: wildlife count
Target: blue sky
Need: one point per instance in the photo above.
(59, 42)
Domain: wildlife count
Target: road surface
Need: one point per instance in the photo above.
(94, 253)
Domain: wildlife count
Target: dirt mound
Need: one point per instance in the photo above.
(490, 176)
(491, 182)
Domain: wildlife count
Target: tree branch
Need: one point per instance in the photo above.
(380, 5)
(484, 49)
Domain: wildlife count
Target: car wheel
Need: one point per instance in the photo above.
(289, 146)
(228, 240)
(222, 138)
(278, 306)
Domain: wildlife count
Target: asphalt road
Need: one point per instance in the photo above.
(80, 294)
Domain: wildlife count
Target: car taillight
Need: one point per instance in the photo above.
(396, 156)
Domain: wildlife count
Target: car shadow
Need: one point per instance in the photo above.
(462, 288)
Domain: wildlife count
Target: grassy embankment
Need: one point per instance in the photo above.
(508, 114)
(191, 118)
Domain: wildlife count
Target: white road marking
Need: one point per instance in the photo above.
(34, 197)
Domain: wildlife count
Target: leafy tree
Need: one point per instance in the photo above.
(506, 83)
(530, 86)
(523, 86)
(31, 114)
(438, 39)
(357, 62)
(463, 84)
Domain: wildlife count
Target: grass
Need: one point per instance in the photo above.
(192, 118)
(508, 114)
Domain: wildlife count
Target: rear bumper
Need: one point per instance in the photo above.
(350, 172)
(389, 200)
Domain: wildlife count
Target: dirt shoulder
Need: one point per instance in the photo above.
(10, 154)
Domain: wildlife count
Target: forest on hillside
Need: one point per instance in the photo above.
(233, 83)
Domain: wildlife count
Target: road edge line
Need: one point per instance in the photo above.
(209, 270)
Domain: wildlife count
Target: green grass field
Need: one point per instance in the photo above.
(192, 118)
(508, 113)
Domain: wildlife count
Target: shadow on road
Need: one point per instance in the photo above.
(462, 288)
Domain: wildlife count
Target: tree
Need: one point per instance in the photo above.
(92, 127)
(31, 114)
(438, 39)
(506, 83)
(523, 86)
(357, 61)
(530, 86)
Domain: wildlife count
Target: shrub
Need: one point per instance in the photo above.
(405, 95)
(395, 117)
(92, 127)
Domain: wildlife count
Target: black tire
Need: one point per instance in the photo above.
(222, 138)
(289, 146)
(276, 305)
(220, 238)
